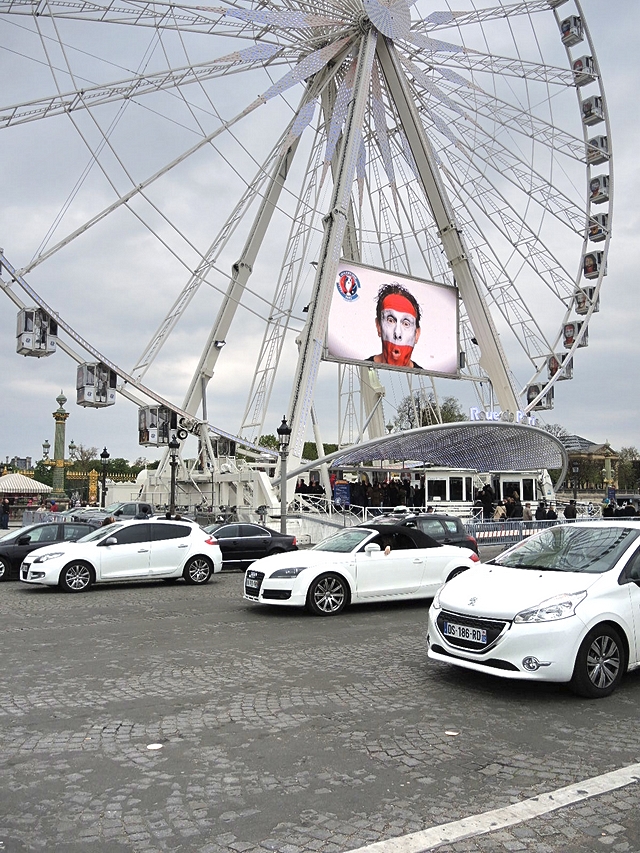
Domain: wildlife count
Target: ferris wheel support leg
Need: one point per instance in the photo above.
(493, 359)
(335, 224)
(241, 272)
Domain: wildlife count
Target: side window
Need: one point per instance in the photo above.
(403, 542)
(450, 525)
(75, 531)
(252, 530)
(432, 527)
(129, 509)
(46, 533)
(164, 531)
(229, 531)
(133, 533)
(633, 567)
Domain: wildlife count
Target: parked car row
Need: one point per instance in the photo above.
(562, 605)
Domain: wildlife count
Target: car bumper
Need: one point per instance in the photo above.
(549, 648)
(285, 592)
(37, 574)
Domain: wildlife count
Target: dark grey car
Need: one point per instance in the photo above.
(445, 529)
(16, 545)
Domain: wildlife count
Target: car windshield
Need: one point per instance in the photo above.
(109, 530)
(16, 534)
(343, 542)
(109, 509)
(570, 548)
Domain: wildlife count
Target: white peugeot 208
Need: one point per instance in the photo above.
(562, 605)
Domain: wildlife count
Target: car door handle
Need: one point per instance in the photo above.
(183, 546)
(143, 550)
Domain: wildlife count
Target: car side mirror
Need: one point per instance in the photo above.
(23, 540)
(372, 548)
(110, 540)
(118, 512)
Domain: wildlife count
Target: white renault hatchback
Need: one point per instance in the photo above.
(563, 605)
(126, 551)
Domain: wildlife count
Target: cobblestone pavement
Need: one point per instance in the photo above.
(278, 731)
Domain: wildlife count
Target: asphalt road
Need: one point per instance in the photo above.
(162, 717)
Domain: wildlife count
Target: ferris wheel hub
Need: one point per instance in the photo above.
(390, 17)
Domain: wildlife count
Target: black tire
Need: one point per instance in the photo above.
(328, 595)
(275, 551)
(600, 663)
(198, 570)
(76, 577)
(458, 571)
(5, 569)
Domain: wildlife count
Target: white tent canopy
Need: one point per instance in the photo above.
(18, 484)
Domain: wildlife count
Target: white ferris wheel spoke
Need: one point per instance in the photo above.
(447, 19)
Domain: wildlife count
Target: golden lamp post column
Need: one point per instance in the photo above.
(60, 417)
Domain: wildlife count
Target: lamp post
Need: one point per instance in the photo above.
(105, 459)
(575, 468)
(46, 447)
(284, 437)
(174, 447)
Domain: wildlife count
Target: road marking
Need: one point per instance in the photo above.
(448, 833)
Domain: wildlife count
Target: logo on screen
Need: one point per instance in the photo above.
(348, 285)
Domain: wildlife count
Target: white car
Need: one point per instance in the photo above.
(563, 605)
(358, 564)
(126, 551)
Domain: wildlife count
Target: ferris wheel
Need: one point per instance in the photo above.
(252, 151)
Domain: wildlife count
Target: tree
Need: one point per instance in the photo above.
(418, 409)
(556, 430)
(269, 441)
(43, 473)
(629, 454)
(86, 458)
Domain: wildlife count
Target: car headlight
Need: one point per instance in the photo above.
(558, 607)
(436, 598)
(44, 557)
(288, 573)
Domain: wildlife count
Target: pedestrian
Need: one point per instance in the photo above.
(570, 511)
(4, 515)
(526, 512)
(500, 513)
(552, 515)
(541, 511)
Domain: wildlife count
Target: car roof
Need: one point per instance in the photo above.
(420, 539)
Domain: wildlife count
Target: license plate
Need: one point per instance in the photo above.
(464, 632)
(253, 583)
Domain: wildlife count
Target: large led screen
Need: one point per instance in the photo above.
(387, 320)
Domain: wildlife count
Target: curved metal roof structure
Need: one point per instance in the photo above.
(485, 446)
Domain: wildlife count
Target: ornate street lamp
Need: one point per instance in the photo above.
(284, 437)
(105, 459)
(72, 450)
(46, 447)
(174, 447)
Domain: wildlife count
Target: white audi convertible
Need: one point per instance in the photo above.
(358, 564)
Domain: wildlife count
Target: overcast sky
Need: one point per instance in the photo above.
(115, 286)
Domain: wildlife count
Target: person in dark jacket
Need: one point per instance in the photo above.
(551, 514)
(570, 511)
(541, 511)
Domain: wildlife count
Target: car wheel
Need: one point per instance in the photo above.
(458, 571)
(328, 595)
(600, 663)
(275, 551)
(76, 577)
(197, 571)
(5, 568)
